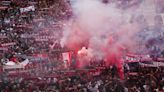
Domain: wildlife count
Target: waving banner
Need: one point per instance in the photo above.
(27, 9)
(35, 57)
(8, 44)
(13, 65)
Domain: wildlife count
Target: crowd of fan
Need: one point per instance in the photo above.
(28, 28)
(104, 80)
(35, 27)
(32, 32)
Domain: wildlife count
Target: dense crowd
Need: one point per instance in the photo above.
(35, 28)
(98, 80)
(30, 28)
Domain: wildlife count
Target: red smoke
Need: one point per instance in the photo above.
(92, 25)
(114, 54)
